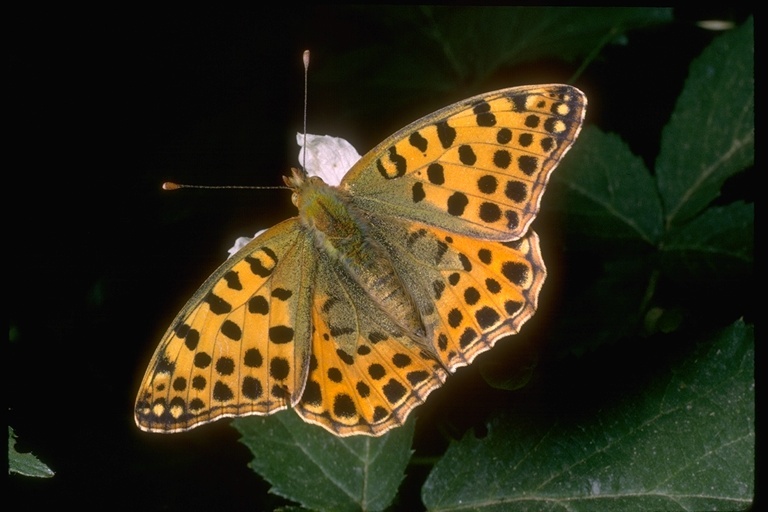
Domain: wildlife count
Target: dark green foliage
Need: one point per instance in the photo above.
(671, 427)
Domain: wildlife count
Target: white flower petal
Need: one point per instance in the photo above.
(242, 242)
(327, 157)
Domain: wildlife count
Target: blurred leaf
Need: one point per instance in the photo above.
(25, 463)
(605, 308)
(687, 443)
(613, 210)
(306, 464)
(529, 34)
(14, 334)
(421, 50)
(512, 366)
(611, 194)
(711, 134)
(718, 245)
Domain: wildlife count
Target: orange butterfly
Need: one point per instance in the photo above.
(420, 259)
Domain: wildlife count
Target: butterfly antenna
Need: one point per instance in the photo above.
(305, 58)
(171, 185)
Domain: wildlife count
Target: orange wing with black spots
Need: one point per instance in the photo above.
(470, 292)
(354, 311)
(478, 167)
(367, 373)
(240, 345)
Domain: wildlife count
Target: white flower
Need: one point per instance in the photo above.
(327, 157)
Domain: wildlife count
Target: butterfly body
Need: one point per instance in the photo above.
(355, 310)
(343, 234)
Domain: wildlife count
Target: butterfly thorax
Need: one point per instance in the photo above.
(341, 233)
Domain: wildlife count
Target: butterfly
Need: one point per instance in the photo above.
(354, 311)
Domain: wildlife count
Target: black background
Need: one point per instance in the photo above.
(106, 105)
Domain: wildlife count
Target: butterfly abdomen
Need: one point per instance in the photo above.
(343, 235)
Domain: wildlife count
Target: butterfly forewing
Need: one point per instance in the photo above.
(241, 345)
(478, 167)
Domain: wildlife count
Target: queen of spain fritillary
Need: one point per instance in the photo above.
(354, 311)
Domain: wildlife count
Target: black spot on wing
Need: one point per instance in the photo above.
(252, 388)
(435, 174)
(418, 141)
(231, 330)
(233, 280)
(417, 192)
(457, 203)
(528, 164)
(518, 102)
(445, 134)
(217, 305)
(483, 114)
(281, 293)
(467, 155)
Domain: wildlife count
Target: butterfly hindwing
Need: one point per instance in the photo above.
(241, 344)
(366, 372)
(478, 167)
(470, 292)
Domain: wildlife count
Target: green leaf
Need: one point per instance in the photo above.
(306, 464)
(529, 34)
(609, 192)
(25, 463)
(718, 245)
(684, 443)
(711, 134)
(461, 47)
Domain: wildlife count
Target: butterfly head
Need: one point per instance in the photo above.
(295, 182)
(304, 187)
